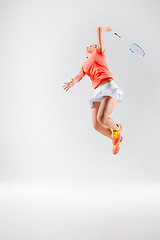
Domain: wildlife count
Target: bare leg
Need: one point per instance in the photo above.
(105, 131)
(105, 109)
(109, 122)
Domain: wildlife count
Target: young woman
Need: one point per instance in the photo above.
(106, 92)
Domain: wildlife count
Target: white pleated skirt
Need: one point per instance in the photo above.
(108, 89)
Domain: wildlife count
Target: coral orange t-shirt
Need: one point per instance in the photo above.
(96, 67)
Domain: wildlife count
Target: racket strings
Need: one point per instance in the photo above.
(135, 48)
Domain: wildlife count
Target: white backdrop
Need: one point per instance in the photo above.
(46, 134)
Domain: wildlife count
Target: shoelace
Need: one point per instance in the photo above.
(115, 134)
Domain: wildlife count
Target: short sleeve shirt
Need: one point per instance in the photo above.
(96, 67)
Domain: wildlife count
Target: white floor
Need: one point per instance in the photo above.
(117, 211)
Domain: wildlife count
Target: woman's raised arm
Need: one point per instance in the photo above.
(100, 29)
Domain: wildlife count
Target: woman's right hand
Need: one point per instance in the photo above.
(106, 28)
(68, 85)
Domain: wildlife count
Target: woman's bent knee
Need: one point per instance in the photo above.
(102, 119)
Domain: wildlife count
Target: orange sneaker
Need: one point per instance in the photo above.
(116, 147)
(117, 135)
(121, 139)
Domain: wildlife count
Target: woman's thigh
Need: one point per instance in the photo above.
(106, 107)
(95, 109)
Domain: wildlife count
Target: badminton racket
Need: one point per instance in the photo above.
(133, 47)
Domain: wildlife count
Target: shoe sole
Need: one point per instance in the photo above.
(121, 139)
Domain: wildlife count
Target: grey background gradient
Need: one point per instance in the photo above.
(53, 164)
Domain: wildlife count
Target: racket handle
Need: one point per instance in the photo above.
(116, 34)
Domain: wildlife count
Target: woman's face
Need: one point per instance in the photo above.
(90, 49)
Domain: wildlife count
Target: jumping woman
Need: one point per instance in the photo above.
(106, 92)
